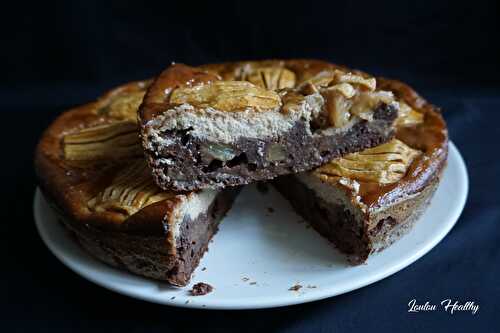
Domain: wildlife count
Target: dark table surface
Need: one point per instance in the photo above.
(70, 53)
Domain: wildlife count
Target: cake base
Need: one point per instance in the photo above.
(152, 255)
(356, 237)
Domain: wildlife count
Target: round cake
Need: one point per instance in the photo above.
(384, 150)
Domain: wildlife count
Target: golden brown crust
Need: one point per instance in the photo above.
(180, 75)
(78, 186)
(430, 137)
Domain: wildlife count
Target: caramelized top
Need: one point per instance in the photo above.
(419, 153)
(90, 162)
(270, 85)
(176, 76)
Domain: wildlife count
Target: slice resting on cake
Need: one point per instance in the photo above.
(92, 170)
(365, 201)
(230, 124)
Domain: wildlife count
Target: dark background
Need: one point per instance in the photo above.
(62, 54)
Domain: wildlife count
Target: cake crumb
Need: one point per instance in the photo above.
(173, 297)
(186, 302)
(201, 288)
(203, 269)
(295, 287)
(270, 209)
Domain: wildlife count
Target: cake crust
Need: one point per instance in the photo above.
(229, 124)
(91, 169)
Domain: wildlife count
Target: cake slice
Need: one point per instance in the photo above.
(363, 202)
(230, 124)
(92, 170)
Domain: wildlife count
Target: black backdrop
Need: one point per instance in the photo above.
(91, 43)
(65, 53)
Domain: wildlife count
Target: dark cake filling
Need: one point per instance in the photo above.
(192, 163)
(333, 221)
(148, 255)
(358, 237)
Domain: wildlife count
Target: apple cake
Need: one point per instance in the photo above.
(363, 202)
(92, 170)
(229, 124)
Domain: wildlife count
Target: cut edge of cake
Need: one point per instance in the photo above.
(364, 202)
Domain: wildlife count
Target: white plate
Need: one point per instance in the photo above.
(258, 254)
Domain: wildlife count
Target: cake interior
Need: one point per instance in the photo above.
(189, 162)
(195, 234)
(353, 228)
(151, 254)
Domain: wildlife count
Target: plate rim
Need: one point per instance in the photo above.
(260, 302)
